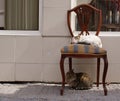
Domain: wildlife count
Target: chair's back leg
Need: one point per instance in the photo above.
(70, 64)
(98, 71)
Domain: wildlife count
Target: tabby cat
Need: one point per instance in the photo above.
(80, 81)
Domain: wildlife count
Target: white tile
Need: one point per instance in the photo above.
(52, 47)
(55, 22)
(7, 72)
(28, 72)
(57, 3)
(113, 72)
(113, 50)
(83, 60)
(51, 73)
(83, 1)
(7, 49)
(28, 50)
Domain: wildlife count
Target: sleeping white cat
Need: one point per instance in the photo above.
(89, 39)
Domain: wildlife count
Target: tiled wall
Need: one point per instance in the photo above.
(55, 17)
(36, 58)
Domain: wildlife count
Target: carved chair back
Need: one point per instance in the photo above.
(84, 13)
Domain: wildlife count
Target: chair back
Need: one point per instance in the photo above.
(85, 14)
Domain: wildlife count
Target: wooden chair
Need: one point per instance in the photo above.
(70, 51)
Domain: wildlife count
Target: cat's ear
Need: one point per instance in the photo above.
(72, 71)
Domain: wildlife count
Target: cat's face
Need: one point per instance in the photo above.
(75, 39)
(70, 76)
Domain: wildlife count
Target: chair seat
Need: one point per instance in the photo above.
(82, 49)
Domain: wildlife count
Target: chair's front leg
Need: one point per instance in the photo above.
(63, 74)
(104, 74)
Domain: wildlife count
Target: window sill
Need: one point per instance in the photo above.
(102, 33)
(109, 34)
(19, 33)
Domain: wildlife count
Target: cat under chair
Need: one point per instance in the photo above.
(78, 81)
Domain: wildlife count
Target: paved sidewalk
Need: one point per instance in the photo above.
(51, 92)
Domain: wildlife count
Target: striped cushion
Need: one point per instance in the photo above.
(81, 48)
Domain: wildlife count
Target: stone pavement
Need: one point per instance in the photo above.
(50, 92)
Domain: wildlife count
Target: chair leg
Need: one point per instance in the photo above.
(70, 64)
(98, 71)
(104, 74)
(63, 74)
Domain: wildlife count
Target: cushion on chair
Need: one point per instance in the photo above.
(81, 48)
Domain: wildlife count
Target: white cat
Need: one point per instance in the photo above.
(89, 39)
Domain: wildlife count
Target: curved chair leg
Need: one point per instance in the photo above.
(98, 71)
(70, 64)
(104, 74)
(63, 74)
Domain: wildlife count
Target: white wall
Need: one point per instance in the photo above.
(36, 58)
(83, 1)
